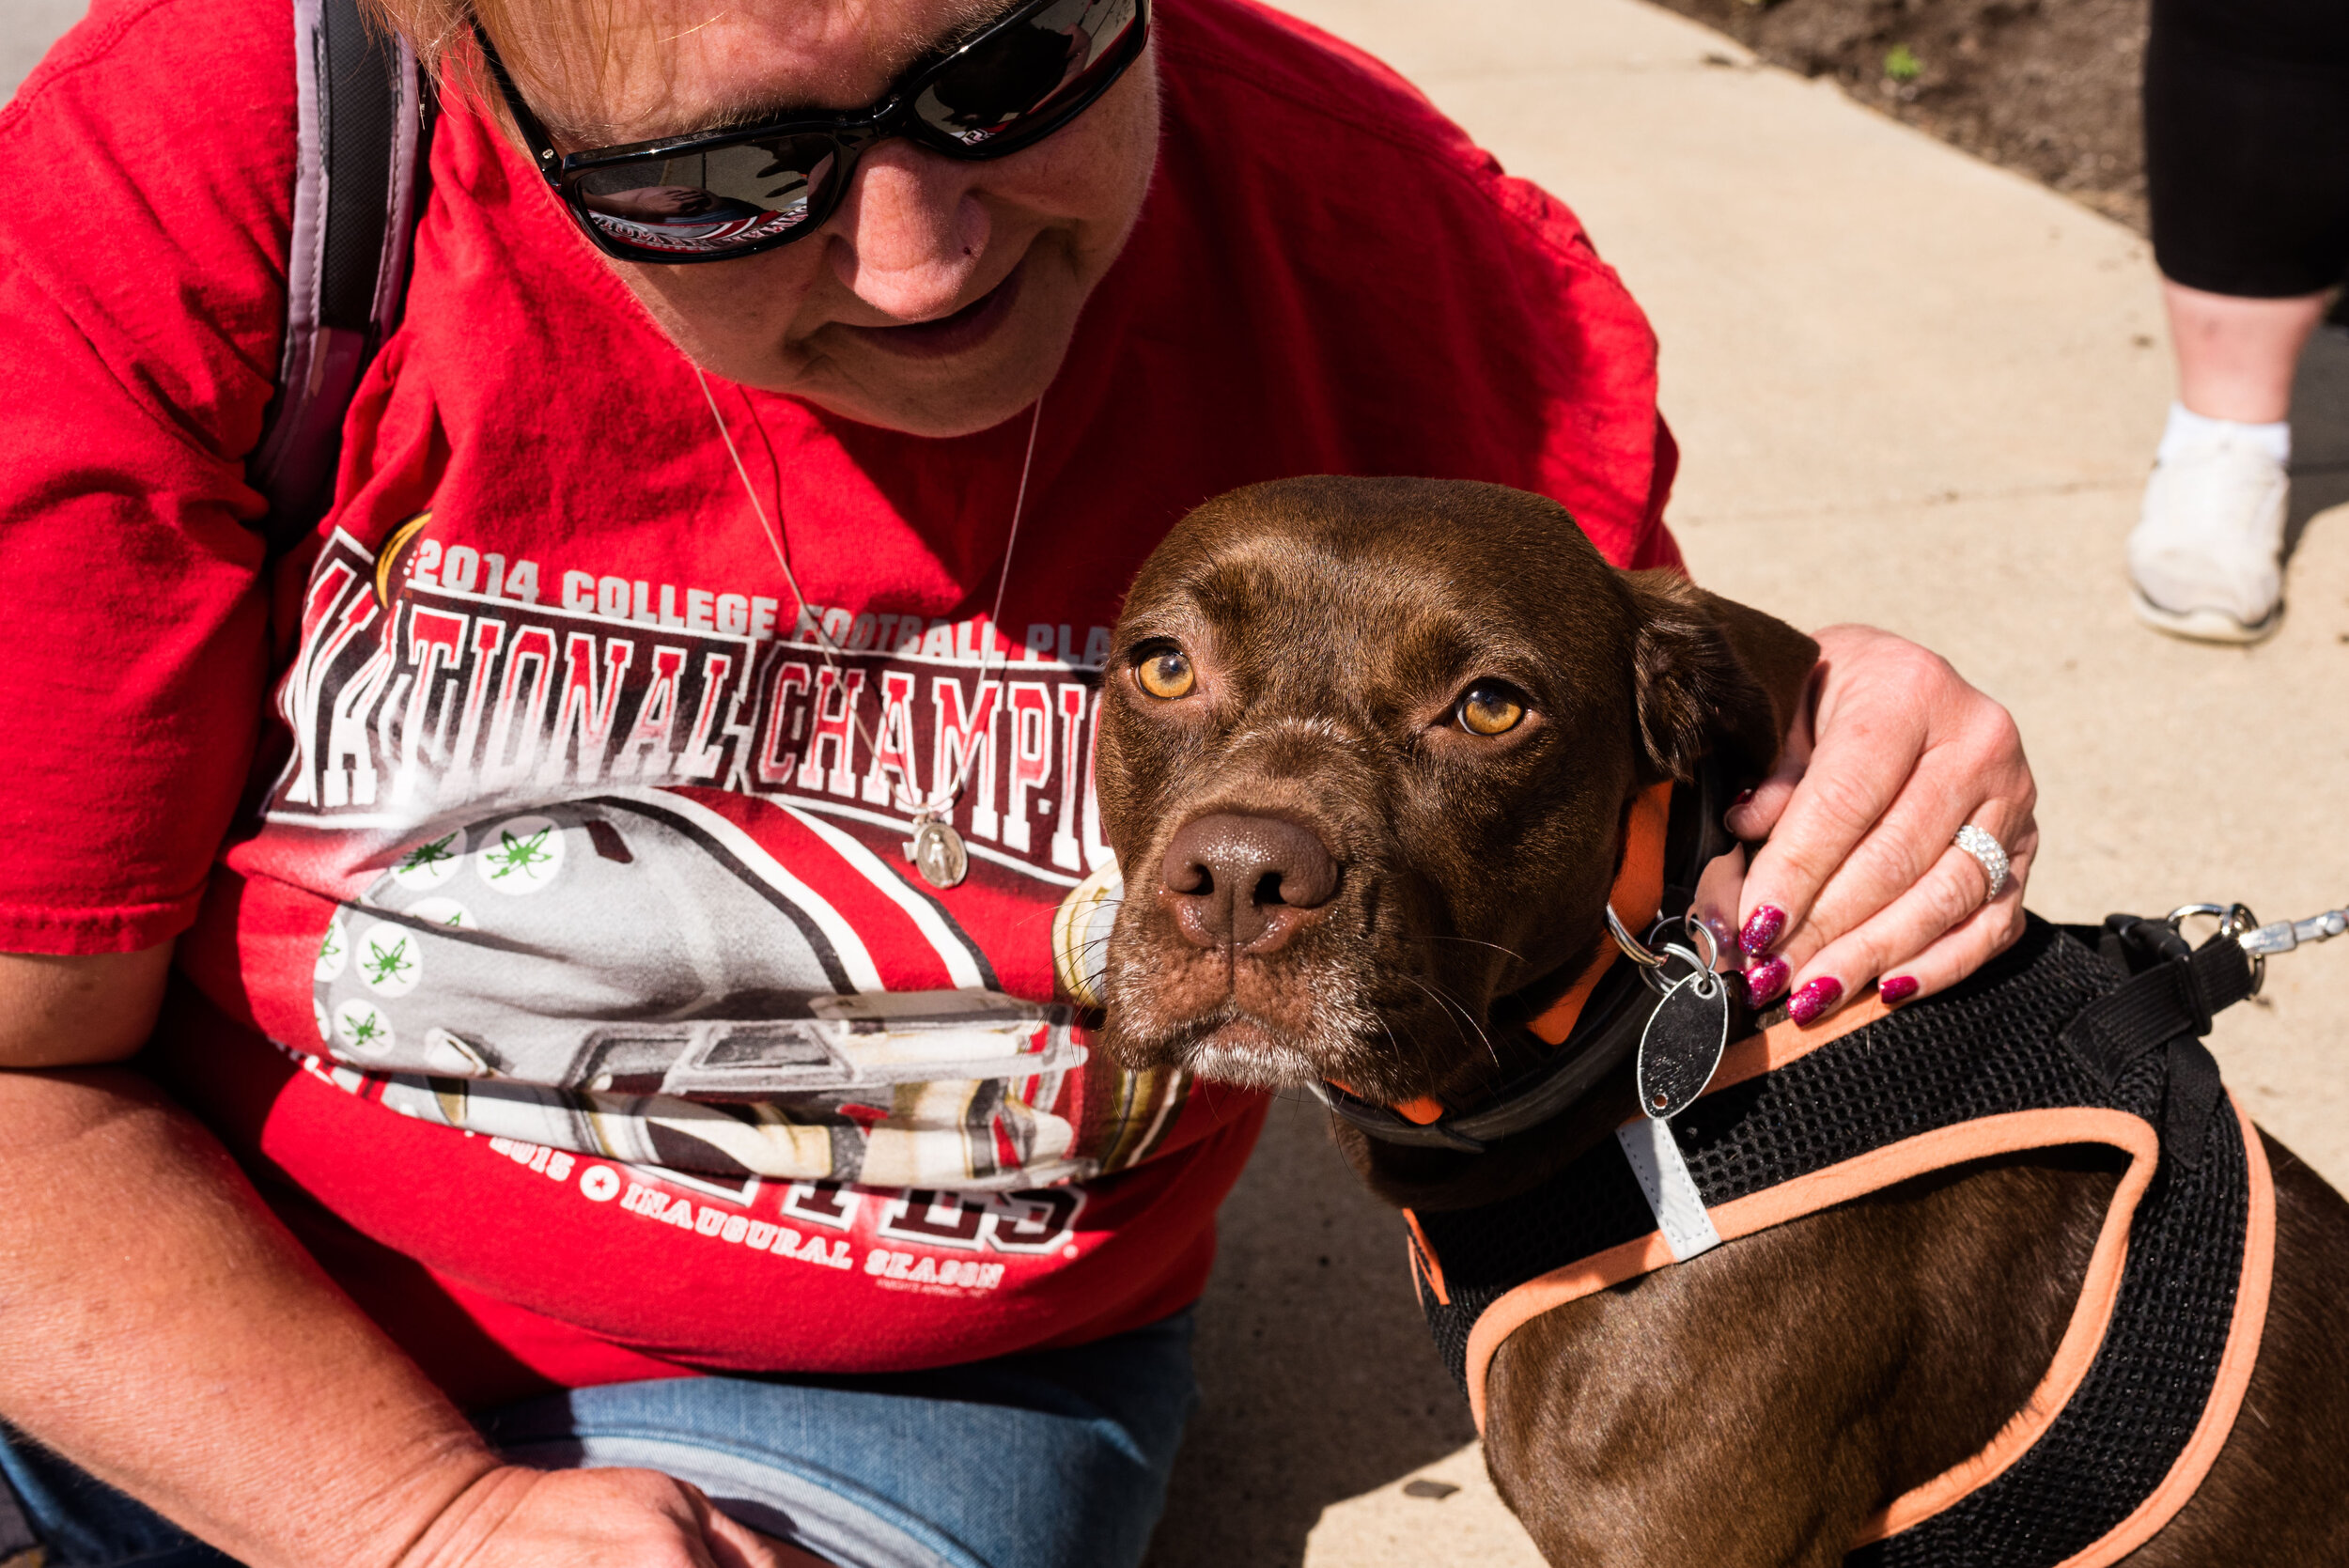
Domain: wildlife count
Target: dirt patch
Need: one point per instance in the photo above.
(2047, 87)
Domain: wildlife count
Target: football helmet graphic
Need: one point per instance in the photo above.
(637, 973)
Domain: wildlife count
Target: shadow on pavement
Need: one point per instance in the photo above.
(2319, 432)
(1321, 1383)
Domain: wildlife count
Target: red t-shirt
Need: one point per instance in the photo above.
(547, 950)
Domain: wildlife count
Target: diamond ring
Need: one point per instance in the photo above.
(1990, 853)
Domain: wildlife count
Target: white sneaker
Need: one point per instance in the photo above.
(2206, 556)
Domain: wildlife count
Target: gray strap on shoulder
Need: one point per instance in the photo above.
(361, 139)
(18, 1546)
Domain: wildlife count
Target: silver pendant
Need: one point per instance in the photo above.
(937, 852)
(1681, 1047)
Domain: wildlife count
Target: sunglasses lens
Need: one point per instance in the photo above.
(710, 202)
(1022, 82)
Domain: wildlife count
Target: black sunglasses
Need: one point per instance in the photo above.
(711, 195)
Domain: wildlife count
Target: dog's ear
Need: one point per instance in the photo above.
(1713, 676)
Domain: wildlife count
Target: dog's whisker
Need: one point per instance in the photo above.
(1298, 1094)
(1389, 1029)
(1452, 1007)
(1475, 942)
(1490, 1050)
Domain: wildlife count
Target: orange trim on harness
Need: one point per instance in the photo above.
(2235, 1364)
(1426, 1255)
(1783, 1042)
(2083, 1336)
(1853, 1178)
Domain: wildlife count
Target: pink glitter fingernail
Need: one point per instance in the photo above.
(1815, 999)
(1762, 928)
(1765, 981)
(1895, 988)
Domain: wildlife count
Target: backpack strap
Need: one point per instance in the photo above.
(362, 133)
(18, 1546)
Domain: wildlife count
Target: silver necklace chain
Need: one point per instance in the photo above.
(927, 813)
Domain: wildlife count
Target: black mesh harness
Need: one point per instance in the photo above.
(2076, 1036)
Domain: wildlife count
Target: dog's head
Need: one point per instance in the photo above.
(1368, 749)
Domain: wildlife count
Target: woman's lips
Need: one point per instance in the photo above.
(965, 329)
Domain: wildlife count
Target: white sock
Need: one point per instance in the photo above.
(2189, 434)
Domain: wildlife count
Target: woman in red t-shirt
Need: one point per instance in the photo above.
(591, 902)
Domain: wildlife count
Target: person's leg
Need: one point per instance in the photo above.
(2247, 146)
(1054, 1459)
(2237, 356)
(80, 1522)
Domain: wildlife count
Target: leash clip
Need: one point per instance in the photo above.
(2259, 941)
(2236, 924)
(2285, 935)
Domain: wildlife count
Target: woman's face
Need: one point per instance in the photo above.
(941, 297)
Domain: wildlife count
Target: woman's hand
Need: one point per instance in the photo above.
(512, 1518)
(1860, 880)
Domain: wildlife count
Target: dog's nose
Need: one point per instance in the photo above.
(1246, 880)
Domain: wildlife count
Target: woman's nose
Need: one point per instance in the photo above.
(911, 232)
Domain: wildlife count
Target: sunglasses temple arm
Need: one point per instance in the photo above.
(533, 131)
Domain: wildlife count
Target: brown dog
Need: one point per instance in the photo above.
(1368, 752)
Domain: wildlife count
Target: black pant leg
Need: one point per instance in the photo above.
(2247, 144)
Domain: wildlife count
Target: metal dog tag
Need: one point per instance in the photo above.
(1681, 1047)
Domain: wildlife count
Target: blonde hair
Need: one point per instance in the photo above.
(568, 51)
(553, 49)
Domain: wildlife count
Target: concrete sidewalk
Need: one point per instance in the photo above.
(1912, 390)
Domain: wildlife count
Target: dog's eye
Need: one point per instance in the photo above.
(1489, 707)
(1165, 671)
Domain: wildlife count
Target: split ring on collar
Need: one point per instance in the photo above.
(1633, 949)
(1652, 961)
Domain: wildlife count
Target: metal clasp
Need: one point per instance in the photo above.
(2285, 935)
(2234, 921)
(2237, 922)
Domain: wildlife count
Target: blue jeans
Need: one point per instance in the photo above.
(1053, 1459)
